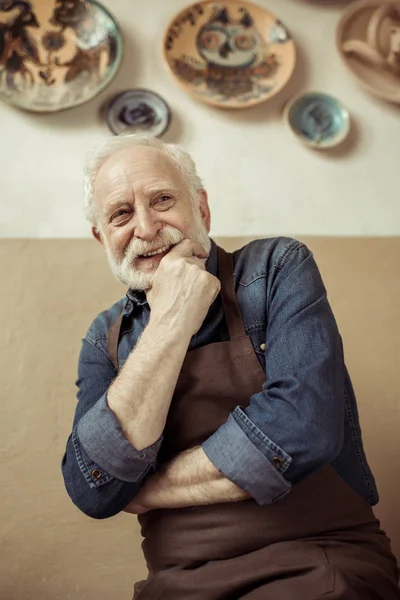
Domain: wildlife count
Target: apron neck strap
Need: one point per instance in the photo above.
(229, 301)
(113, 339)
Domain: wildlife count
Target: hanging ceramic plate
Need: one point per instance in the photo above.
(368, 41)
(138, 111)
(318, 120)
(56, 54)
(231, 54)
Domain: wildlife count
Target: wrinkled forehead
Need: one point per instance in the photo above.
(136, 167)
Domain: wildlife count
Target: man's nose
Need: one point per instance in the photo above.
(147, 224)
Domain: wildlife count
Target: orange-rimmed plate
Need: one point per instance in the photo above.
(230, 54)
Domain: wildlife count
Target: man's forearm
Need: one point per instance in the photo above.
(141, 395)
(190, 479)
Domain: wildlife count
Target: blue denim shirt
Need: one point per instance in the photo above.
(305, 413)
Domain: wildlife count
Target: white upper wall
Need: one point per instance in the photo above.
(260, 179)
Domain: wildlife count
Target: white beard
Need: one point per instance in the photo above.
(125, 271)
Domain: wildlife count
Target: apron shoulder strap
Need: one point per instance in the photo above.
(113, 339)
(233, 317)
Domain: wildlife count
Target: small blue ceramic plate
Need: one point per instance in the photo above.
(138, 111)
(318, 120)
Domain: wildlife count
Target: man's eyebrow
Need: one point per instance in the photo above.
(160, 187)
(110, 206)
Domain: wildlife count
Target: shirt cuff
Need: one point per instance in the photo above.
(103, 440)
(92, 472)
(246, 456)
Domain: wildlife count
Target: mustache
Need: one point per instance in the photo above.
(169, 236)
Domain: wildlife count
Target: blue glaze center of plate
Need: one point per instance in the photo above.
(319, 119)
(138, 111)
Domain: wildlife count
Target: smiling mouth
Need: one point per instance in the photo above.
(155, 252)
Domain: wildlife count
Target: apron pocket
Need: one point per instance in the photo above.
(288, 570)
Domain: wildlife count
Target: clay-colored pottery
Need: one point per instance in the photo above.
(56, 54)
(229, 54)
(368, 41)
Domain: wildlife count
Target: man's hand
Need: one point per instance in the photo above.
(135, 509)
(182, 290)
(147, 497)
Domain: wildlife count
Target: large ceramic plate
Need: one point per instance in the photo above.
(56, 54)
(232, 54)
(368, 40)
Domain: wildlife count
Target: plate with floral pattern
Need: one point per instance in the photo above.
(230, 54)
(56, 54)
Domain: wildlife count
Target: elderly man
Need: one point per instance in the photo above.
(215, 404)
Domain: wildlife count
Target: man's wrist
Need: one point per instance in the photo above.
(161, 329)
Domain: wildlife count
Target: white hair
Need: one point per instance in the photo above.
(97, 157)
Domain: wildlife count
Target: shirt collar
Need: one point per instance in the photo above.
(138, 298)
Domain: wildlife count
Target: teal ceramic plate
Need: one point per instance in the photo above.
(318, 120)
(56, 54)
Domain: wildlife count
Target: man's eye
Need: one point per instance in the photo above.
(120, 213)
(164, 198)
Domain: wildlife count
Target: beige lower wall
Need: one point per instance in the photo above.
(51, 290)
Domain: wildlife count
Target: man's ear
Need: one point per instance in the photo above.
(97, 235)
(205, 210)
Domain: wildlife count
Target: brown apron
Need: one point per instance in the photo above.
(321, 540)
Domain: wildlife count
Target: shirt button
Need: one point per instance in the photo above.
(97, 474)
(277, 461)
(262, 347)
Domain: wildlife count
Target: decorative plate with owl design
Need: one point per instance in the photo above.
(231, 54)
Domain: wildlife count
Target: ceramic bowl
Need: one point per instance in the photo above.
(318, 120)
(229, 54)
(368, 41)
(56, 54)
(138, 111)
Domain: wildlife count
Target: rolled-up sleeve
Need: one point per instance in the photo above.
(295, 424)
(102, 470)
(243, 462)
(102, 437)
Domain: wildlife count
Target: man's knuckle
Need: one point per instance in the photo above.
(204, 277)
